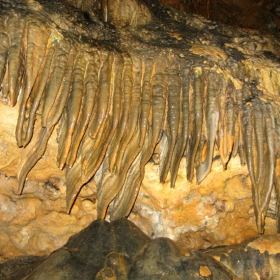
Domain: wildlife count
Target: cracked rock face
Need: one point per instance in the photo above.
(115, 88)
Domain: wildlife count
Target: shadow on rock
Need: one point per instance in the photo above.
(119, 250)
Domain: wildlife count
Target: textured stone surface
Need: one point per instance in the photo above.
(12, 157)
(119, 250)
(217, 212)
(35, 222)
(256, 258)
(198, 85)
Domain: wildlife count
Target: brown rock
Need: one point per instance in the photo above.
(270, 243)
(204, 271)
(217, 212)
(12, 156)
(7, 209)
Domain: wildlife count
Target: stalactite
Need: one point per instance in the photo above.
(197, 118)
(33, 156)
(173, 117)
(134, 112)
(57, 73)
(4, 70)
(63, 92)
(115, 95)
(182, 138)
(38, 90)
(88, 103)
(16, 56)
(4, 47)
(125, 199)
(34, 55)
(73, 106)
(104, 93)
(212, 118)
(227, 126)
(266, 169)
(126, 99)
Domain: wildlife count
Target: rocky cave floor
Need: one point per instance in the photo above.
(119, 250)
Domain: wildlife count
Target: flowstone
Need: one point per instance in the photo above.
(106, 87)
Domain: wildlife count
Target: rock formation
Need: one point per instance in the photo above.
(119, 250)
(118, 83)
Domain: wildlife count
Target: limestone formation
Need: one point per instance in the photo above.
(125, 79)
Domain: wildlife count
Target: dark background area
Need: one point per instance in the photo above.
(263, 15)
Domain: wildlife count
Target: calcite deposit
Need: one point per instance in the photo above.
(104, 95)
(217, 212)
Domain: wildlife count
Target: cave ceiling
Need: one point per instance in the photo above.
(118, 79)
(263, 15)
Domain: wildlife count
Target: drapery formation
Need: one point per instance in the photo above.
(121, 78)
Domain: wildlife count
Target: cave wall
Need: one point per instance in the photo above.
(217, 212)
(181, 69)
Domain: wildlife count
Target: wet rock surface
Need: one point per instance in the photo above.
(164, 82)
(119, 250)
(256, 258)
(116, 86)
(218, 212)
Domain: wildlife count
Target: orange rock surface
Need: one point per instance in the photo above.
(217, 212)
